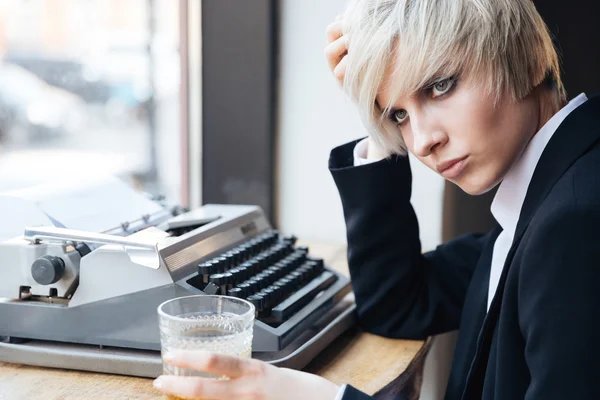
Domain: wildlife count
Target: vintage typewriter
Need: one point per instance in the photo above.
(87, 300)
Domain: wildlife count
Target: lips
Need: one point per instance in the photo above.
(446, 165)
(451, 169)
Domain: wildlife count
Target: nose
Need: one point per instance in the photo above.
(427, 137)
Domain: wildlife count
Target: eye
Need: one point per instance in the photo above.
(399, 116)
(442, 87)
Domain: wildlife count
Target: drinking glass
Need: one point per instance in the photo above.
(219, 324)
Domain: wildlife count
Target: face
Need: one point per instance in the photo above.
(452, 127)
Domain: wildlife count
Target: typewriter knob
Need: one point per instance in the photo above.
(47, 270)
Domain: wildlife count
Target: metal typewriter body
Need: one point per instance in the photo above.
(99, 313)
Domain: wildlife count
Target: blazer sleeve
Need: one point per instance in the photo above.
(399, 292)
(558, 306)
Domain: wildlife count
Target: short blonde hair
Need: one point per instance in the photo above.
(506, 42)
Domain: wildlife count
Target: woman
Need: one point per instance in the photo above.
(472, 89)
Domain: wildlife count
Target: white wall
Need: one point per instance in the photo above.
(313, 117)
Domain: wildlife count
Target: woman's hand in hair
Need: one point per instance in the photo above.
(336, 50)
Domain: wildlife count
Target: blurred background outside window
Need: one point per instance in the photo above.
(88, 88)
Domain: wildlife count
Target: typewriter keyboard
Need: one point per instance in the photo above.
(269, 271)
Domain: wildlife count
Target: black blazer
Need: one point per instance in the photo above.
(541, 336)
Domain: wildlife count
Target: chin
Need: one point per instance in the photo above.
(476, 187)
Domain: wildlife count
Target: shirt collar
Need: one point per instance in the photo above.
(510, 196)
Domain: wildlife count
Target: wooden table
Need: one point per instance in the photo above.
(366, 361)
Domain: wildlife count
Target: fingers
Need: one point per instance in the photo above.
(340, 71)
(189, 387)
(335, 51)
(334, 30)
(218, 364)
(252, 371)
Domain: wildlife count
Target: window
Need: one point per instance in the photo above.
(90, 87)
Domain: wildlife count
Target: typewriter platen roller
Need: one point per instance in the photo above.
(83, 300)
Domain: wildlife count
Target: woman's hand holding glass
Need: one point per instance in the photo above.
(248, 379)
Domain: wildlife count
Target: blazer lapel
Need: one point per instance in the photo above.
(573, 138)
(579, 132)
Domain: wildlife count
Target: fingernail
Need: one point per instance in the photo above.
(169, 356)
(157, 383)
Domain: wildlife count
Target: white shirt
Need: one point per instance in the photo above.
(507, 204)
(360, 153)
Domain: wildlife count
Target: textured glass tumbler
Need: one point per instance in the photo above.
(219, 324)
